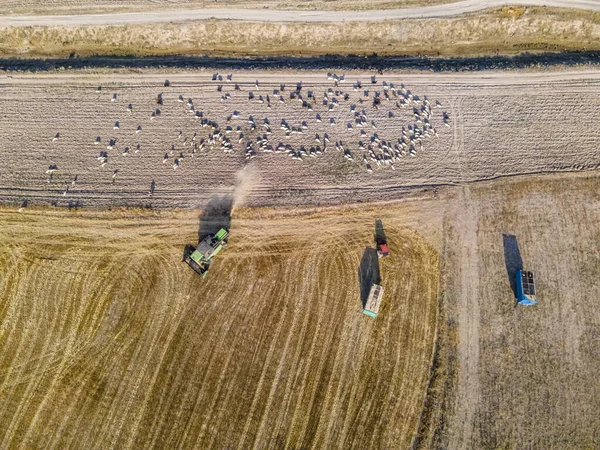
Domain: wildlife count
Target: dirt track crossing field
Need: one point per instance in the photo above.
(107, 339)
(498, 124)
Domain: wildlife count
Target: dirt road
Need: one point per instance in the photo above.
(273, 15)
(464, 220)
(498, 125)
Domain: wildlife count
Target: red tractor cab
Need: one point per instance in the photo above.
(381, 240)
(382, 250)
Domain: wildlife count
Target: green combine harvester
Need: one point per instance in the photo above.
(207, 249)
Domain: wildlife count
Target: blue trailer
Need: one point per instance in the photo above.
(526, 288)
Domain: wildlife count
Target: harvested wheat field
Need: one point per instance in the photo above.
(525, 377)
(108, 339)
(310, 141)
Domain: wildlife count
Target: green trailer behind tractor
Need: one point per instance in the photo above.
(200, 259)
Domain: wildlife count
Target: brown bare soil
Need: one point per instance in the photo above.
(108, 340)
(501, 124)
(526, 376)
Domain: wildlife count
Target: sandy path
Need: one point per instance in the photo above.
(271, 15)
(465, 218)
(500, 125)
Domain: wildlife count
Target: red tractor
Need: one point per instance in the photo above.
(381, 240)
(382, 249)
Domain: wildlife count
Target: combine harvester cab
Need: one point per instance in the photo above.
(526, 288)
(200, 259)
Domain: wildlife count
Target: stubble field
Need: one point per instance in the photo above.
(101, 322)
(108, 339)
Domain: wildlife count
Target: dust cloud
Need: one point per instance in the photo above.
(245, 180)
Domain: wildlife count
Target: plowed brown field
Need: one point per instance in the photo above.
(525, 377)
(500, 124)
(107, 340)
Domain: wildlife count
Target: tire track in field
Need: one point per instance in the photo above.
(123, 389)
(343, 363)
(167, 331)
(32, 386)
(89, 377)
(271, 290)
(199, 394)
(61, 361)
(344, 347)
(225, 330)
(468, 390)
(65, 368)
(320, 411)
(298, 293)
(159, 386)
(71, 352)
(240, 264)
(314, 258)
(346, 247)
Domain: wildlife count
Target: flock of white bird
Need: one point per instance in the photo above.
(376, 151)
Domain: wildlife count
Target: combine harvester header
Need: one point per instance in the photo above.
(526, 288)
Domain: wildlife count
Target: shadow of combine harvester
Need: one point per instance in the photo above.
(213, 231)
(215, 216)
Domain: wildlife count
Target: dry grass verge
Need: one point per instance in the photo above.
(506, 30)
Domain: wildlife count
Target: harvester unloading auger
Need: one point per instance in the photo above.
(201, 258)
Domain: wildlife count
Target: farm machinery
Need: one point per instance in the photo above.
(381, 240)
(201, 258)
(373, 300)
(526, 294)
